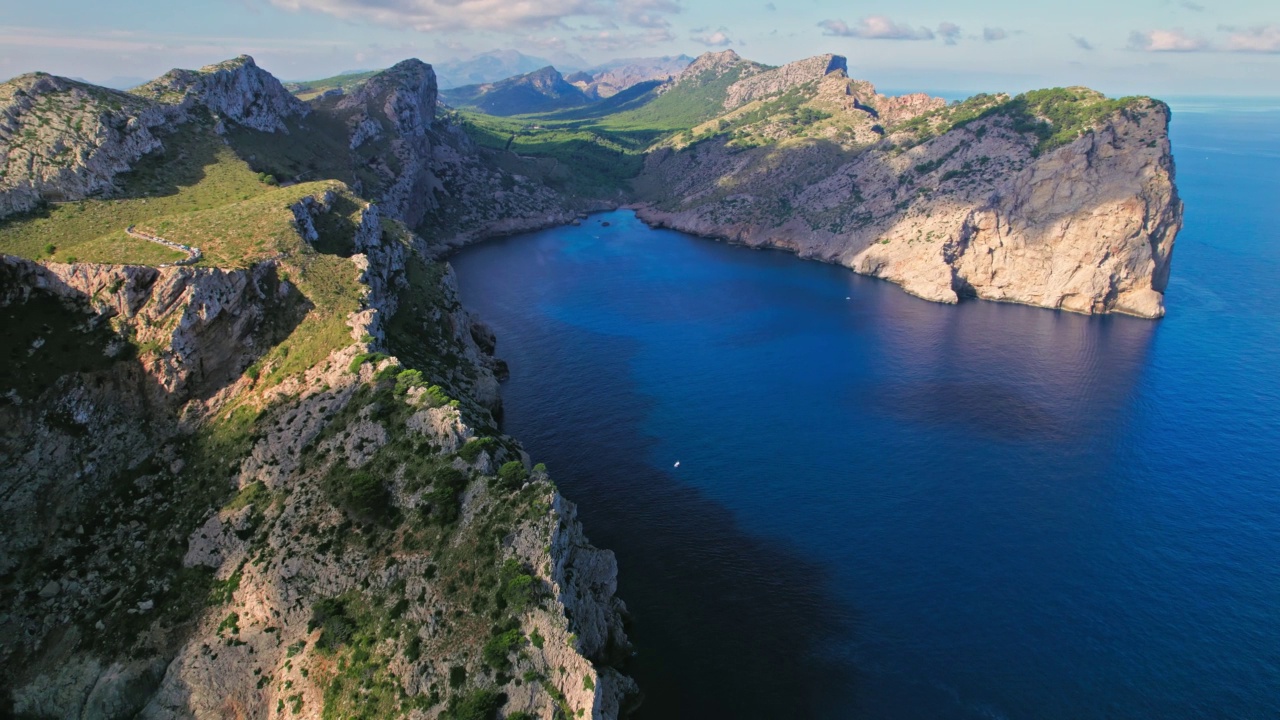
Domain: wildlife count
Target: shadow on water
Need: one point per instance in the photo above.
(725, 624)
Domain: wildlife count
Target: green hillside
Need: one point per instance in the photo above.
(309, 89)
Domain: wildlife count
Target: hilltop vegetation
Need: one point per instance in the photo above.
(311, 89)
(1055, 116)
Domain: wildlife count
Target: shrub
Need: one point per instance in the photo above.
(475, 705)
(499, 647)
(50, 248)
(336, 627)
(474, 447)
(517, 585)
(408, 379)
(362, 358)
(360, 493)
(512, 474)
(448, 483)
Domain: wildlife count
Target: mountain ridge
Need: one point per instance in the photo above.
(280, 482)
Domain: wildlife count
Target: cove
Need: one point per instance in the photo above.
(889, 508)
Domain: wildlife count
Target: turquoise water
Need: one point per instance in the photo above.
(888, 508)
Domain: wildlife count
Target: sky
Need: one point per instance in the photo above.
(1154, 47)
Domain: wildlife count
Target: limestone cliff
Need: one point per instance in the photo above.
(113, 476)
(1061, 199)
(399, 107)
(237, 90)
(65, 140)
(277, 488)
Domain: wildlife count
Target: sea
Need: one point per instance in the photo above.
(890, 508)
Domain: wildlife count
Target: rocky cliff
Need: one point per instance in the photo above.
(1061, 199)
(236, 89)
(277, 488)
(65, 140)
(129, 591)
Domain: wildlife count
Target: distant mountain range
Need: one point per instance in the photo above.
(546, 89)
(486, 67)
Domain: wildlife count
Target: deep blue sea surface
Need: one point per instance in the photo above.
(888, 508)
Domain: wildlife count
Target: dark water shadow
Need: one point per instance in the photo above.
(725, 624)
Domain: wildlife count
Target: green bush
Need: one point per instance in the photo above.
(512, 474)
(496, 652)
(359, 492)
(447, 486)
(335, 623)
(408, 379)
(517, 585)
(475, 446)
(362, 358)
(475, 705)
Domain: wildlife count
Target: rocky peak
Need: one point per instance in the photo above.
(63, 140)
(405, 91)
(714, 64)
(779, 80)
(236, 89)
(544, 78)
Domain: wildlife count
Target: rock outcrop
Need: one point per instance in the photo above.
(779, 80)
(398, 106)
(236, 90)
(1002, 205)
(66, 140)
(270, 553)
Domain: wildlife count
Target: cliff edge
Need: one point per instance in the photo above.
(270, 483)
(1059, 198)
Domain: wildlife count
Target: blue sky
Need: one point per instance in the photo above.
(1160, 47)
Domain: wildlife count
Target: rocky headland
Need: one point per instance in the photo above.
(274, 487)
(990, 198)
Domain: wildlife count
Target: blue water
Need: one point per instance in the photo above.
(888, 508)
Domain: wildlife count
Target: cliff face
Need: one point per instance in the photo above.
(94, 627)
(991, 207)
(237, 90)
(64, 140)
(399, 107)
(223, 508)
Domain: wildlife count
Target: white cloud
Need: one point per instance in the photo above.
(949, 32)
(1081, 43)
(992, 34)
(1258, 39)
(875, 27)
(609, 41)
(503, 15)
(1166, 41)
(717, 38)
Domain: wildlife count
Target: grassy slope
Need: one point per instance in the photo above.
(1055, 116)
(201, 193)
(594, 150)
(308, 89)
(195, 173)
